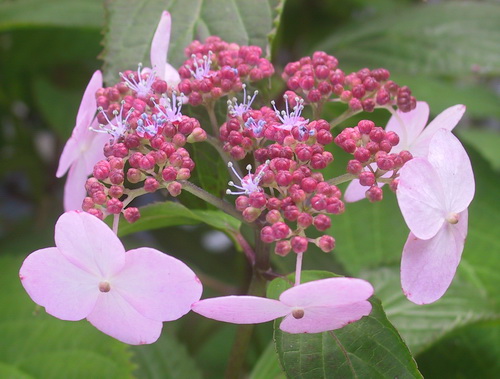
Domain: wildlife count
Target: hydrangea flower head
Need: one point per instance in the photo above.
(288, 118)
(312, 307)
(433, 195)
(84, 148)
(126, 295)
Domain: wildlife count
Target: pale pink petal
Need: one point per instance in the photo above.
(95, 150)
(452, 164)
(421, 198)
(355, 192)
(413, 123)
(322, 319)
(160, 44)
(86, 113)
(172, 76)
(89, 243)
(327, 293)
(241, 309)
(447, 119)
(74, 188)
(114, 316)
(157, 285)
(428, 266)
(66, 291)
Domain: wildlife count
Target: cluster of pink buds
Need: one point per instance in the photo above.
(371, 147)
(317, 78)
(216, 68)
(248, 130)
(297, 196)
(147, 138)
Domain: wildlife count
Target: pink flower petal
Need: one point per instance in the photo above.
(421, 198)
(89, 243)
(157, 285)
(66, 291)
(447, 119)
(114, 316)
(74, 188)
(241, 309)
(322, 319)
(86, 113)
(159, 51)
(454, 170)
(355, 192)
(327, 293)
(413, 124)
(428, 266)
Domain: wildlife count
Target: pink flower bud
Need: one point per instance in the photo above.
(151, 185)
(304, 220)
(251, 214)
(367, 178)
(326, 243)
(281, 230)
(322, 222)
(273, 216)
(134, 175)
(101, 170)
(87, 204)
(267, 234)
(115, 191)
(374, 194)
(283, 248)
(114, 206)
(299, 244)
(174, 188)
(241, 203)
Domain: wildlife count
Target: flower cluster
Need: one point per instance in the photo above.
(216, 68)
(318, 78)
(147, 133)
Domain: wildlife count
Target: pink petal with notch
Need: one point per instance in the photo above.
(413, 123)
(421, 198)
(89, 243)
(327, 292)
(428, 266)
(114, 316)
(322, 319)
(157, 285)
(453, 167)
(66, 291)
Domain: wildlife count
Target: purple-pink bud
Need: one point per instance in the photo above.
(326, 243)
(251, 214)
(101, 170)
(241, 203)
(304, 220)
(114, 206)
(115, 191)
(281, 230)
(131, 214)
(367, 178)
(283, 248)
(267, 234)
(299, 244)
(174, 188)
(374, 194)
(322, 222)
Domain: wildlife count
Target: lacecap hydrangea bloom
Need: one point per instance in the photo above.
(127, 295)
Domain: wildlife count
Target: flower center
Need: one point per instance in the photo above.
(298, 313)
(453, 218)
(104, 286)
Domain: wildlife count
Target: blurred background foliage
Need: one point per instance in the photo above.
(448, 52)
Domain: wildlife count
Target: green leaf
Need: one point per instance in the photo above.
(161, 215)
(485, 141)
(368, 348)
(449, 38)
(50, 13)
(41, 346)
(12, 372)
(422, 325)
(268, 365)
(132, 24)
(469, 353)
(165, 359)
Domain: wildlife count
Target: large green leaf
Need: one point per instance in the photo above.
(132, 24)
(268, 365)
(449, 38)
(368, 348)
(36, 344)
(486, 142)
(469, 353)
(43, 13)
(160, 215)
(422, 325)
(165, 359)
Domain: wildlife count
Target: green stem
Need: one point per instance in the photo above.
(344, 116)
(257, 287)
(211, 199)
(341, 179)
(213, 118)
(225, 157)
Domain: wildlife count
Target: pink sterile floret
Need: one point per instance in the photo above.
(159, 51)
(414, 136)
(312, 307)
(126, 295)
(84, 148)
(433, 195)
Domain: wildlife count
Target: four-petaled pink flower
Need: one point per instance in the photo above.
(433, 195)
(414, 136)
(159, 51)
(84, 148)
(89, 275)
(312, 307)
